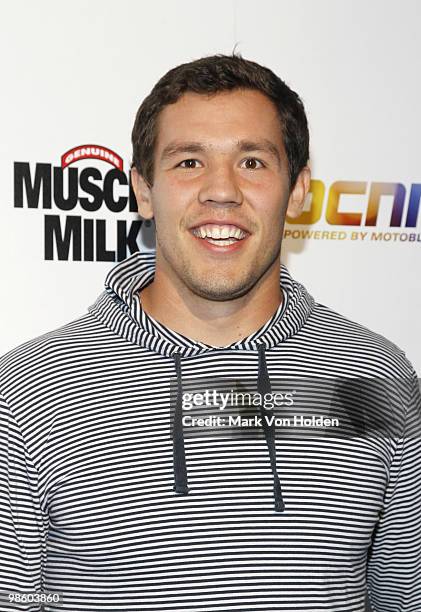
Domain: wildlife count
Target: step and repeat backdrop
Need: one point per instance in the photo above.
(73, 77)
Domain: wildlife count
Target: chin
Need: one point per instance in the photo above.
(221, 290)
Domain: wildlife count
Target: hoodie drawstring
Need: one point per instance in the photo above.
(263, 386)
(179, 457)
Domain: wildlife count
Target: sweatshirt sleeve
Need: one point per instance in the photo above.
(394, 565)
(23, 529)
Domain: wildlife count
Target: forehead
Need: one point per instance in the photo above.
(219, 118)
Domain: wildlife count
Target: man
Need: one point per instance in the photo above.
(106, 497)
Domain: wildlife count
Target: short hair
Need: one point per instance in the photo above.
(211, 75)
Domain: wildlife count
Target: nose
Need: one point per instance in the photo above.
(220, 186)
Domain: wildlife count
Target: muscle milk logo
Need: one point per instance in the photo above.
(83, 183)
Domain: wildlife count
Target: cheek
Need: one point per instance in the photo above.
(181, 182)
(269, 201)
(169, 208)
(176, 190)
(173, 198)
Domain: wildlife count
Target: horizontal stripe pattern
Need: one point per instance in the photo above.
(87, 505)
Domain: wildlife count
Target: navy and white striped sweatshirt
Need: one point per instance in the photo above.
(104, 498)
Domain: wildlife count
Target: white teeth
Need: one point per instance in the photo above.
(221, 242)
(219, 232)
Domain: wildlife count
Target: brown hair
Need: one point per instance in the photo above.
(215, 74)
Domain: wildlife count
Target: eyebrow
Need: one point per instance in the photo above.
(264, 145)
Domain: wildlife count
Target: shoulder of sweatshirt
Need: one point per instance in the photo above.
(327, 335)
(334, 333)
(56, 350)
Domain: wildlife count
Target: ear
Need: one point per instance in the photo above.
(297, 197)
(143, 194)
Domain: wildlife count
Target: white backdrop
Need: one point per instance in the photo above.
(75, 73)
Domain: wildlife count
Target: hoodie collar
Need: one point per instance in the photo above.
(119, 308)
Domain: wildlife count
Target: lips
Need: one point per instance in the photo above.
(219, 232)
(225, 236)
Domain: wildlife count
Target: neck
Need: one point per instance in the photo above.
(208, 321)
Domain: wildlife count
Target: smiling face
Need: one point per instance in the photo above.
(220, 193)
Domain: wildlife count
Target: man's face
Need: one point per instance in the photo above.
(220, 192)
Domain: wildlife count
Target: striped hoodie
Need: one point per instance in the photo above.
(106, 498)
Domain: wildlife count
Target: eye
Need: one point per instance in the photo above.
(188, 163)
(252, 163)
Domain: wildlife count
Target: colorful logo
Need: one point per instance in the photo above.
(400, 204)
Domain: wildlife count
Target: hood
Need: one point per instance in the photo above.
(119, 308)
